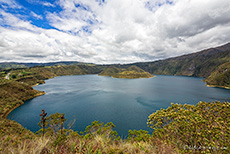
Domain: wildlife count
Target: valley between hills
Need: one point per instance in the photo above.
(210, 121)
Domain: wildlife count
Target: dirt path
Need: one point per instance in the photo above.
(8, 76)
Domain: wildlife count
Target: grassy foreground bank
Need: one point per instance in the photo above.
(203, 128)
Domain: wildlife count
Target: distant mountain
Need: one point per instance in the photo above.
(9, 65)
(199, 64)
(131, 72)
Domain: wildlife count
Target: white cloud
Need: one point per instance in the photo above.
(118, 31)
(14, 22)
(36, 15)
(47, 4)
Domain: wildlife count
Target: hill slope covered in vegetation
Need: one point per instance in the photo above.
(220, 77)
(13, 94)
(131, 72)
(199, 64)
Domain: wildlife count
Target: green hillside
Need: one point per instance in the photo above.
(199, 64)
(131, 72)
(13, 94)
(37, 75)
(220, 77)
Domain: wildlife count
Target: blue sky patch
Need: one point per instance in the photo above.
(153, 5)
(34, 11)
(100, 2)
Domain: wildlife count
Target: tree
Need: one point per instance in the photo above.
(56, 122)
(52, 123)
(42, 123)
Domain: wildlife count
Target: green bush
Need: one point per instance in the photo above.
(199, 127)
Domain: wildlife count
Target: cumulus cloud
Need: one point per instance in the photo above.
(116, 31)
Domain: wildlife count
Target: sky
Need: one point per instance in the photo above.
(110, 31)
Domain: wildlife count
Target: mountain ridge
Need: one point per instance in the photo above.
(198, 64)
(206, 51)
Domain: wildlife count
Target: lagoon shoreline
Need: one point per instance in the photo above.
(216, 86)
(18, 105)
(43, 93)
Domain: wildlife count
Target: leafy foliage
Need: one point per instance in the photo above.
(43, 121)
(54, 122)
(97, 128)
(139, 135)
(203, 125)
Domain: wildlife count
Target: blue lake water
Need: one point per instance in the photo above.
(125, 102)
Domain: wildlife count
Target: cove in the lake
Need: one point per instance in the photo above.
(125, 102)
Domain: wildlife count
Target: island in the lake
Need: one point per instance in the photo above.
(132, 72)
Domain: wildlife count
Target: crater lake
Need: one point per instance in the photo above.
(125, 102)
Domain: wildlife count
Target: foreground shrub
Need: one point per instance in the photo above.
(97, 128)
(204, 127)
(138, 135)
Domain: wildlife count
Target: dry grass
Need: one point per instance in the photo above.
(79, 145)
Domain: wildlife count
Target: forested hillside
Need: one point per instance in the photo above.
(220, 77)
(131, 72)
(199, 64)
(13, 94)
